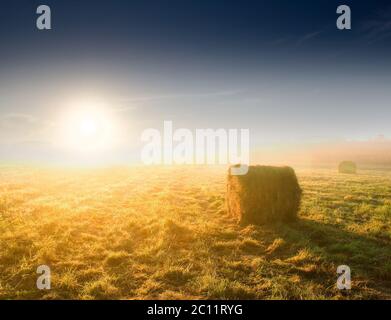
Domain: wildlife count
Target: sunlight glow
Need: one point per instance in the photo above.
(87, 126)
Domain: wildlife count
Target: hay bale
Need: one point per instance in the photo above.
(265, 194)
(347, 167)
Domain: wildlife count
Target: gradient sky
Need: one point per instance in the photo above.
(280, 68)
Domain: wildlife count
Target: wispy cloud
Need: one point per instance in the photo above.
(379, 27)
(280, 41)
(174, 96)
(17, 117)
(12, 119)
(184, 95)
(307, 37)
(19, 127)
(17, 121)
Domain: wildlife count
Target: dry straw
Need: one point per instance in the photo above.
(347, 167)
(265, 194)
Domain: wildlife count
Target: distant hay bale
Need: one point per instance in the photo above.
(347, 167)
(265, 194)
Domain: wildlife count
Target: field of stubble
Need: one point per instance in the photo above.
(139, 233)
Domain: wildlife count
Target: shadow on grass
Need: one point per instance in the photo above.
(369, 258)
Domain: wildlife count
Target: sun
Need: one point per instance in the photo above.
(86, 127)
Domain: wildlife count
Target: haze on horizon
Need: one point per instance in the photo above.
(280, 69)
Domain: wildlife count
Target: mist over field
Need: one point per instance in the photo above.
(375, 152)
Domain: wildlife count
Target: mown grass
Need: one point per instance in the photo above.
(139, 233)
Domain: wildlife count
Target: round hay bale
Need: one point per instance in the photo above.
(265, 194)
(347, 167)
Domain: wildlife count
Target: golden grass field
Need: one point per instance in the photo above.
(164, 233)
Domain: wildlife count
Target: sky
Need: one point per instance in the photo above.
(279, 68)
